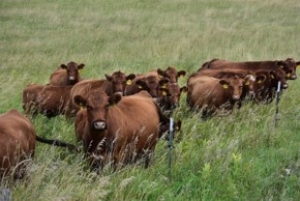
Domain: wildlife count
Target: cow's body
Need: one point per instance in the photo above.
(29, 103)
(123, 128)
(66, 74)
(211, 95)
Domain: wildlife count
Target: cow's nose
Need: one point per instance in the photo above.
(235, 97)
(71, 78)
(99, 125)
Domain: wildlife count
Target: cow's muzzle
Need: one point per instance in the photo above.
(71, 78)
(284, 86)
(293, 77)
(99, 125)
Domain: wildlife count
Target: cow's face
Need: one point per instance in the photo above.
(234, 85)
(97, 105)
(150, 84)
(72, 69)
(278, 75)
(171, 73)
(169, 94)
(291, 68)
(119, 81)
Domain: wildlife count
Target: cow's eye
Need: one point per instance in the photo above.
(89, 107)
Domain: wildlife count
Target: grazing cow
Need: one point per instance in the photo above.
(212, 94)
(17, 141)
(288, 65)
(66, 74)
(29, 102)
(171, 73)
(54, 100)
(123, 128)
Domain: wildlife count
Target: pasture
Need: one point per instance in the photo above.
(242, 156)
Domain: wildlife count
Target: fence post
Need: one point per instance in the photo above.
(277, 103)
(170, 145)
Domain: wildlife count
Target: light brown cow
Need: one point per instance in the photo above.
(212, 95)
(123, 128)
(66, 74)
(17, 141)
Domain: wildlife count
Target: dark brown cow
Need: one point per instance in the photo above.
(168, 95)
(66, 74)
(288, 65)
(171, 73)
(210, 95)
(123, 128)
(17, 141)
(54, 100)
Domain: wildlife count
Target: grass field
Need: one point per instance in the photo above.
(239, 157)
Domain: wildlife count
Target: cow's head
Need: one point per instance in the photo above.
(171, 73)
(168, 94)
(97, 105)
(119, 81)
(278, 75)
(234, 85)
(72, 69)
(290, 67)
(149, 84)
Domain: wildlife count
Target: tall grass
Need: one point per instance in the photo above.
(238, 157)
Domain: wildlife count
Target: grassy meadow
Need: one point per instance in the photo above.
(239, 157)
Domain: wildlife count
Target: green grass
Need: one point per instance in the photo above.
(239, 157)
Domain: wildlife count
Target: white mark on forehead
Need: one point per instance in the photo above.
(252, 78)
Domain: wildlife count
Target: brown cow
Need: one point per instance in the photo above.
(288, 65)
(17, 141)
(171, 73)
(168, 95)
(66, 74)
(123, 128)
(147, 83)
(29, 102)
(54, 100)
(116, 82)
(210, 95)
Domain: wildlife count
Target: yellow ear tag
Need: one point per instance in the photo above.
(140, 87)
(164, 93)
(164, 86)
(247, 83)
(298, 65)
(272, 76)
(288, 75)
(181, 76)
(259, 81)
(81, 107)
(129, 82)
(281, 66)
(225, 86)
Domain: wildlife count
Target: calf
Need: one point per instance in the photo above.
(123, 128)
(212, 95)
(170, 73)
(17, 141)
(66, 74)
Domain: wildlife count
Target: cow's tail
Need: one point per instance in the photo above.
(57, 143)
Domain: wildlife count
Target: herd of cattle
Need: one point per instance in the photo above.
(120, 118)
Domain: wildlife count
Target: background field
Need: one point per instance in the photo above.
(239, 157)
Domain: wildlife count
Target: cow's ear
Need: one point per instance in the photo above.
(160, 72)
(224, 84)
(129, 79)
(114, 99)
(181, 73)
(79, 100)
(298, 64)
(63, 66)
(163, 83)
(81, 66)
(183, 89)
(108, 77)
(260, 78)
